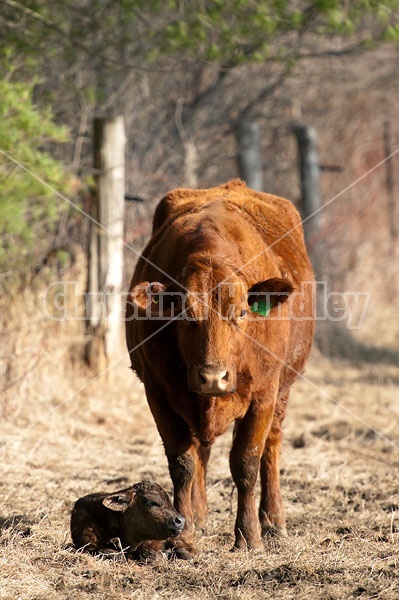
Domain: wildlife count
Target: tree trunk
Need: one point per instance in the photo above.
(249, 155)
(310, 179)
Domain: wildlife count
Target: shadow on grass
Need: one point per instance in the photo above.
(17, 523)
(336, 341)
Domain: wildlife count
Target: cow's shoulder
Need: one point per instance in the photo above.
(174, 204)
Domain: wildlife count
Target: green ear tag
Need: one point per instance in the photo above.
(261, 307)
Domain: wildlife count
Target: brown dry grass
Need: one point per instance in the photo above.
(340, 484)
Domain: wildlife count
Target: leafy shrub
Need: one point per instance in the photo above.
(30, 178)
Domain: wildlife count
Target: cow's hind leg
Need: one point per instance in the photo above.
(271, 509)
(198, 492)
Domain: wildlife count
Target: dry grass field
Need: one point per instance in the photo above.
(340, 469)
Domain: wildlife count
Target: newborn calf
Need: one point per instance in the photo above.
(140, 513)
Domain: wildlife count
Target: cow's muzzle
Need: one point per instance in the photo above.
(212, 381)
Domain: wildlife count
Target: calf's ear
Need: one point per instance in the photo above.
(120, 501)
(263, 296)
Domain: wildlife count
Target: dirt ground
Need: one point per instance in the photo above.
(340, 466)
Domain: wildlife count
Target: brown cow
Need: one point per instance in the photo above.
(219, 324)
(136, 515)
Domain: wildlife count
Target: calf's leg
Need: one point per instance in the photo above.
(146, 552)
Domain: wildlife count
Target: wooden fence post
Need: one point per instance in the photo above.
(106, 243)
(249, 155)
(390, 185)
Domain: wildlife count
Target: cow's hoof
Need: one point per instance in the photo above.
(236, 549)
(183, 554)
(242, 544)
(248, 548)
(180, 551)
(279, 531)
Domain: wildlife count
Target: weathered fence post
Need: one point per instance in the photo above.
(106, 242)
(310, 178)
(249, 155)
(390, 185)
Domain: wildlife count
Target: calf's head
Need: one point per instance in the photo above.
(148, 513)
(212, 312)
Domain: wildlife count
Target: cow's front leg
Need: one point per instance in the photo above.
(248, 444)
(182, 471)
(198, 493)
(180, 451)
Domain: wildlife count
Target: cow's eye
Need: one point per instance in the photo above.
(243, 314)
(155, 299)
(151, 503)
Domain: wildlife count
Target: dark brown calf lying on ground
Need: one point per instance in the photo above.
(138, 514)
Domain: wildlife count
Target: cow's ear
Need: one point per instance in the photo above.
(154, 300)
(263, 296)
(120, 501)
(146, 295)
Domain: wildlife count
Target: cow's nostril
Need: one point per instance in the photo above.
(226, 376)
(202, 379)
